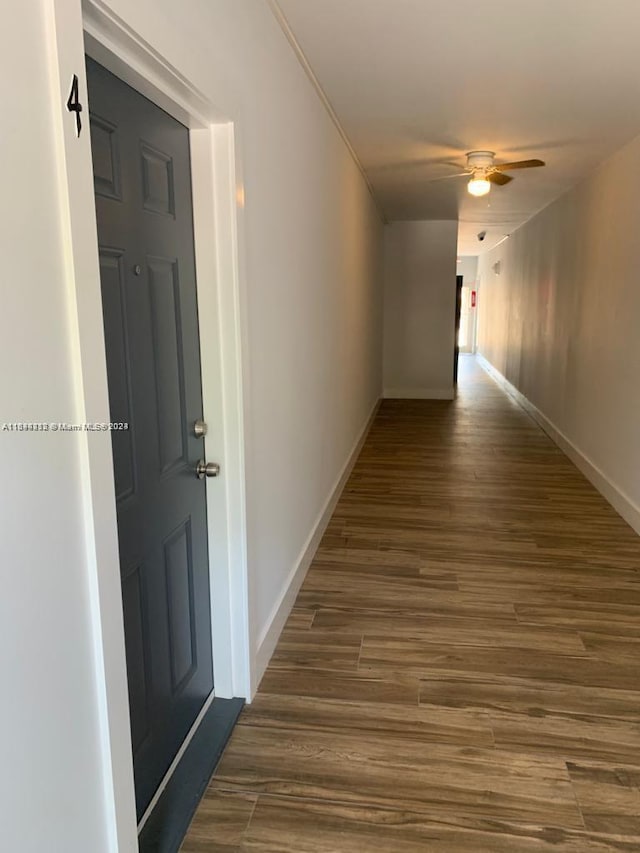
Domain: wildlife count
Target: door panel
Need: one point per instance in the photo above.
(157, 180)
(164, 298)
(145, 233)
(137, 655)
(182, 623)
(113, 310)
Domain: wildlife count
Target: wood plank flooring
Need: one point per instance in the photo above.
(461, 671)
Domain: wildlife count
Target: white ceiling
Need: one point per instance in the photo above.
(417, 83)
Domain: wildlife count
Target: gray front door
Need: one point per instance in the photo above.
(142, 183)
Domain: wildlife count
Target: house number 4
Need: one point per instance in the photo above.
(74, 105)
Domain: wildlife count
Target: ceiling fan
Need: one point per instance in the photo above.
(484, 171)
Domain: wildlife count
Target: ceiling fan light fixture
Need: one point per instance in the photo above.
(478, 186)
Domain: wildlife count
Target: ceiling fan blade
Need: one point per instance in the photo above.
(519, 164)
(499, 178)
(447, 177)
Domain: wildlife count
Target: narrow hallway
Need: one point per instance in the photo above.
(461, 671)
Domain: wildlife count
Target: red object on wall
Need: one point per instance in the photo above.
(473, 299)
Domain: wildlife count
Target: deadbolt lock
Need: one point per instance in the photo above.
(200, 429)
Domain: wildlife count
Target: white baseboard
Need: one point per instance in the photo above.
(271, 634)
(419, 393)
(618, 499)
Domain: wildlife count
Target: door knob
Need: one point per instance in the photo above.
(207, 469)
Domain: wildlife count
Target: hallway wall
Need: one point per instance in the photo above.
(467, 267)
(311, 256)
(560, 322)
(419, 308)
(313, 271)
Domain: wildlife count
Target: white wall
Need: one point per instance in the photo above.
(313, 260)
(50, 767)
(311, 251)
(467, 267)
(419, 308)
(560, 322)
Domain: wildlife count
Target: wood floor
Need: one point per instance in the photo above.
(461, 671)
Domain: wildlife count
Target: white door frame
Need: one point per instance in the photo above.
(75, 26)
